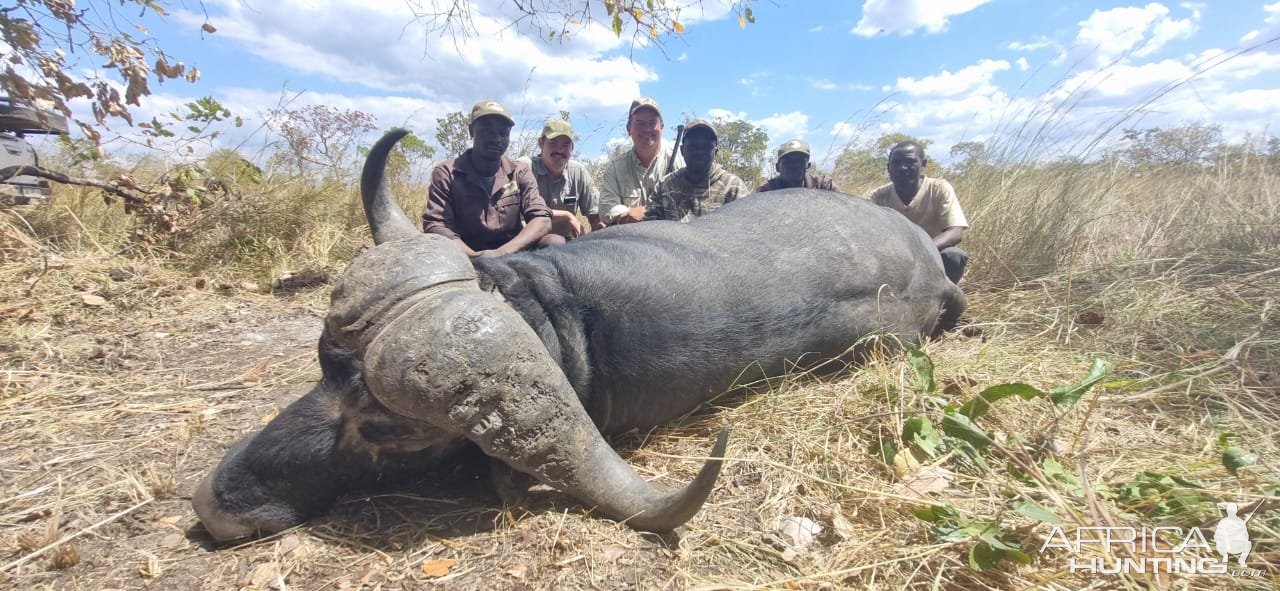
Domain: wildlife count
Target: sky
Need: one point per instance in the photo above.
(1071, 74)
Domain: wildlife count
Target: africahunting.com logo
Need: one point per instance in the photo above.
(1159, 549)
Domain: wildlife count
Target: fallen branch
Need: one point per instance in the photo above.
(9, 172)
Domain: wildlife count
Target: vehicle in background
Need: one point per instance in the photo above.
(16, 122)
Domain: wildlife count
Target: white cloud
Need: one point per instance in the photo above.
(1039, 43)
(784, 126)
(1108, 35)
(392, 52)
(965, 80)
(905, 16)
(1273, 25)
(816, 29)
(823, 84)
(1023, 64)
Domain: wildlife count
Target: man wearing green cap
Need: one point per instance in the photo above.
(631, 177)
(564, 183)
(794, 171)
(481, 198)
(699, 188)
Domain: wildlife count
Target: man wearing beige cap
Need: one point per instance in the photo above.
(631, 177)
(794, 171)
(564, 183)
(699, 188)
(481, 198)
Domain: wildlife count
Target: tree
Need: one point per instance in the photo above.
(868, 164)
(452, 134)
(742, 149)
(321, 139)
(968, 156)
(1187, 145)
(52, 50)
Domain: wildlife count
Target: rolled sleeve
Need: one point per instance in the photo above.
(952, 215)
(532, 205)
(589, 200)
(438, 217)
(611, 188)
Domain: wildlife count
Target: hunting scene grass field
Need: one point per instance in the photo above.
(1119, 366)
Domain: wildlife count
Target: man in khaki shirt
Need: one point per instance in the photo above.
(631, 177)
(564, 183)
(928, 202)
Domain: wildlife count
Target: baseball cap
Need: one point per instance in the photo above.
(488, 107)
(793, 146)
(641, 103)
(557, 128)
(693, 124)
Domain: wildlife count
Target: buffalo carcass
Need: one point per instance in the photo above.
(533, 356)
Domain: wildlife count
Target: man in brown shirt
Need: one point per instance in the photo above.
(480, 198)
(793, 170)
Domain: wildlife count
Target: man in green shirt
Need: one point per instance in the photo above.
(564, 183)
(794, 171)
(699, 188)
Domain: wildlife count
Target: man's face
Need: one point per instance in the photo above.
(556, 152)
(699, 150)
(645, 127)
(792, 167)
(906, 166)
(490, 136)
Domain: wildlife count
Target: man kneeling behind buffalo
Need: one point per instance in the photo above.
(480, 198)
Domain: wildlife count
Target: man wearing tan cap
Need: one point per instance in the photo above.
(631, 177)
(699, 188)
(564, 183)
(794, 171)
(481, 198)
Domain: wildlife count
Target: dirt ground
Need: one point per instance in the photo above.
(114, 408)
(124, 383)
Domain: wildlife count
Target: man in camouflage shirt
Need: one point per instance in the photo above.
(699, 188)
(794, 171)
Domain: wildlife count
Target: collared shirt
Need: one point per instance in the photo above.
(811, 181)
(575, 181)
(628, 182)
(484, 218)
(676, 198)
(934, 207)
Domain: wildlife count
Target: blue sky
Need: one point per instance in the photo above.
(834, 73)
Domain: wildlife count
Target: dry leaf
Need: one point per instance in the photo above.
(264, 576)
(172, 541)
(924, 480)
(904, 462)
(840, 526)
(93, 300)
(613, 551)
(516, 572)
(289, 544)
(438, 568)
